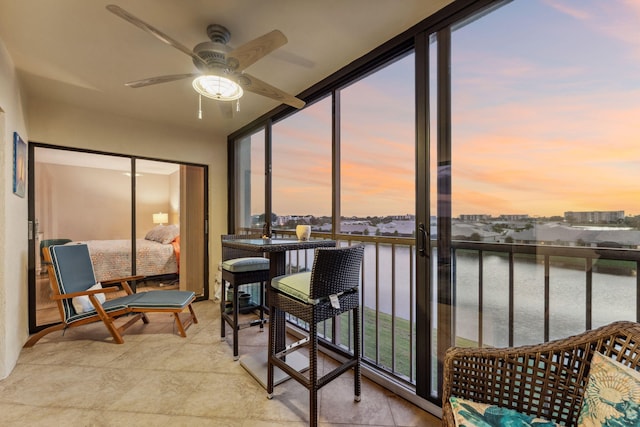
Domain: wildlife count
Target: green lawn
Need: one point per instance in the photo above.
(384, 340)
(403, 336)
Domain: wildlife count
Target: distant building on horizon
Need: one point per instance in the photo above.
(596, 217)
(514, 217)
(474, 217)
(487, 217)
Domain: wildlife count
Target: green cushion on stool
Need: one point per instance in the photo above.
(295, 285)
(298, 286)
(238, 265)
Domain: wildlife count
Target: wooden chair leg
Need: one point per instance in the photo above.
(182, 326)
(179, 324)
(194, 318)
(37, 336)
(133, 319)
(108, 323)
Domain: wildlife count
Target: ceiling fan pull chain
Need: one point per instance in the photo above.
(199, 106)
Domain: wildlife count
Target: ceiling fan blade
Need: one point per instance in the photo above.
(250, 52)
(117, 10)
(255, 85)
(160, 79)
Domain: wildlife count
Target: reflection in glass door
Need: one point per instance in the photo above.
(81, 197)
(249, 194)
(170, 225)
(157, 215)
(88, 197)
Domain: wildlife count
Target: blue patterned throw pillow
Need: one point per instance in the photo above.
(468, 414)
(612, 395)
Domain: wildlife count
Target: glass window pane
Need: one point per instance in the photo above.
(302, 169)
(377, 198)
(250, 182)
(157, 191)
(81, 197)
(158, 209)
(377, 131)
(544, 147)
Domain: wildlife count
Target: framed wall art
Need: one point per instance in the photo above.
(19, 165)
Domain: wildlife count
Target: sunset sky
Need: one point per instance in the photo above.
(546, 119)
(546, 109)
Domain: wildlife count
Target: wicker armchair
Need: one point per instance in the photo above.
(545, 380)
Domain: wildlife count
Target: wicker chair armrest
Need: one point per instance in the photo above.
(545, 380)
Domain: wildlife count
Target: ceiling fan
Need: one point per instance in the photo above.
(221, 73)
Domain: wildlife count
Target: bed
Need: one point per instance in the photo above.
(156, 255)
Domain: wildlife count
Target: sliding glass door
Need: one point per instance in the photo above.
(533, 173)
(79, 199)
(137, 216)
(248, 200)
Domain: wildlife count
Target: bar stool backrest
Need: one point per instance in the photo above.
(335, 271)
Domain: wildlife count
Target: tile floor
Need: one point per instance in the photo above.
(156, 378)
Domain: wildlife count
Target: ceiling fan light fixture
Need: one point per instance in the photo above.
(216, 87)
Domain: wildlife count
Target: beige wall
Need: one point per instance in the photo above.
(59, 124)
(13, 223)
(64, 125)
(84, 203)
(155, 193)
(174, 198)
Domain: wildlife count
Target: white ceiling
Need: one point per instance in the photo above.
(78, 53)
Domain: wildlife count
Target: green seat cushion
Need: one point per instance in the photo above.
(298, 286)
(239, 265)
(295, 285)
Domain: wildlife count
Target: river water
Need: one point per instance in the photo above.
(614, 296)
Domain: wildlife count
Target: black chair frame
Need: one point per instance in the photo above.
(336, 271)
(236, 280)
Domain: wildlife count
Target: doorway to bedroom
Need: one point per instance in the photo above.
(138, 217)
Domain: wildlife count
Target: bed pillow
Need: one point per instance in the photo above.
(468, 414)
(83, 304)
(612, 395)
(164, 234)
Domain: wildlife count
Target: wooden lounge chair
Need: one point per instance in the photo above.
(71, 275)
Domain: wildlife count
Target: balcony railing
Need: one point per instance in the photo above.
(579, 287)
(504, 295)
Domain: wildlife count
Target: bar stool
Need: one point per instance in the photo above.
(240, 268)
(331, 288)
